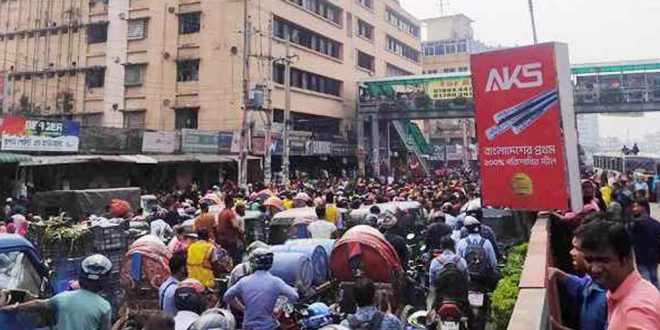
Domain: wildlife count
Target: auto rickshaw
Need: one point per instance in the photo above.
(283, 221)
(255, 227)
(24, 276)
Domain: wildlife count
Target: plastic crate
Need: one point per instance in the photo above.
(109, 238)
(115, 257)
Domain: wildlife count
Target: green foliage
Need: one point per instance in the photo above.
(505, 295)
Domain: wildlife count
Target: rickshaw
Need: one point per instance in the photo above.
(364, 252)
(24, 276)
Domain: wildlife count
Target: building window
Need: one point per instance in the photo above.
(393, 71)
(365, 61)
(133, 74)
(189, 22)
(365, 30)
(134, 119)
(367, 3)
(95, 78)
(185, 118)
(445, 47)
(97, 33)
(187, 70)
(308, 81)
(92, 119)
(432, 71)
(402, 49)
(323, 8)
(401, 22)
(448, 70)
(306, 38)
(137, 29)
(463, 69)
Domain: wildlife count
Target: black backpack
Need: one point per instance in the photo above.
(477, 263)
(451, 282)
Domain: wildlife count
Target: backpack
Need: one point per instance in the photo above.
(451, 282)
(373, 324)
(475, 256)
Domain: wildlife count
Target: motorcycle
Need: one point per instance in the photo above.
(479, 299)
(449, 316)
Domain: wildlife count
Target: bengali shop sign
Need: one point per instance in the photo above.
(196, 141)
(166, 142)
(21, 134)
(526, 130)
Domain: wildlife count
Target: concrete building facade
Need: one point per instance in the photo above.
(172, 64)
(448, 43)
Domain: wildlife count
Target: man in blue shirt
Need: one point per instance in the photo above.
(592, 298)
(178, 273)
(367, 316)
(474, 238)
(258, 293)
(645, 232)
(448, 255)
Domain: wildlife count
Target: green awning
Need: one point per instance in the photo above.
(8, 157)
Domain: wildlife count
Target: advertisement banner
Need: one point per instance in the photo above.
(224, 142)
(195, 141)
(21, 134)
(164, 142)
(520, 102)
(236, 142)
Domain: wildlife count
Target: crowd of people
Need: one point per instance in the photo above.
(611, 281)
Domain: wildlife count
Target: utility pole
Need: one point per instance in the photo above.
(287, 112)
(269, 109)
(531, 15)
(242, 162)
(466, 145)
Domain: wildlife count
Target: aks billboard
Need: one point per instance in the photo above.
(526, 128)
(22, 134)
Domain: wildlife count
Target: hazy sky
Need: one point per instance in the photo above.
(595, 30)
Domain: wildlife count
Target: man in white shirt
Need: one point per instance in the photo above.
(320, 228)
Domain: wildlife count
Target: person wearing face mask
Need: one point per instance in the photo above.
(632, 302)
(590, 298)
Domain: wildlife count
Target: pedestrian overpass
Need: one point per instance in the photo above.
(605, 88)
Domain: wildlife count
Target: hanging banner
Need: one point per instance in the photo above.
(195, 141)
(526, 128)
(21, 134)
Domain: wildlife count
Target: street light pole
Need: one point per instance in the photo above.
(531, 15)
(242, 161)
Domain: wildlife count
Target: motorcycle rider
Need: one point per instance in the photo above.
(79, 309)
(367, 316)
(479, 254)
(190, 304)
(439, 267)
(258, 293)
(485, 231)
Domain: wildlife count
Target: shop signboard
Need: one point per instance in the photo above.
(526, 128)
(320, 147)
(22, 134)
(163, 142)
(196, 141)
(224, 142)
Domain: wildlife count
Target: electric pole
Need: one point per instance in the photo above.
(269, 109)
(531, 15)
(287, 112)
(5, 92)
(242, 162)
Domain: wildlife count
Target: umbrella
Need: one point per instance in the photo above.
(275, 202)
(266, 192)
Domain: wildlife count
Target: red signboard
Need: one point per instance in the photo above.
(522, 147)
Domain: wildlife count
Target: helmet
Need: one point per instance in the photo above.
(255, 245)
(319, 309)
(261, 259)
(472, 224)
(215, 319)
(95, 267)
(418, 319)
(319, 316)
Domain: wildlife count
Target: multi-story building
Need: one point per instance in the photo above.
(172, 64)
(449, 41)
